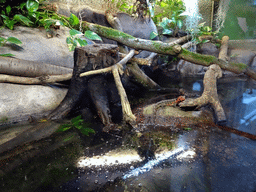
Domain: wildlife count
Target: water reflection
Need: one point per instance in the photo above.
(241, 110)
(200, 159)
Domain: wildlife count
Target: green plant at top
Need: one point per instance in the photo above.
(170, 9)
(205, 30)
(170, 19)
(77, 123)
(76, 38)
(30, 14)
(13, 40)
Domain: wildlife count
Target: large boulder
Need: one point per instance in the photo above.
(25, 102)
(37, 47)
(21, 102)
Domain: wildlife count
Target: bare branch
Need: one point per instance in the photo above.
(35, 80)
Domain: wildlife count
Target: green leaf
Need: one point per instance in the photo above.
(75, 119)
(81, 42)
(14, 40)
(179, 24)
(167, 32)
(9, 23)
(32, 5)
(91, 35)
(165, 23)
(207, 28)
(7, 55)
(22, 5)
(205, 41)
(64, 127)
(2, 39)
(48, 22)
(5, 17)
(8, 9)
(163, 5)
(153, 35)
(71, 47)
(73, 32)
(201, 24)
(69, 40)
(73, 19)
(23, 19)
(187, 128)
(86, 131)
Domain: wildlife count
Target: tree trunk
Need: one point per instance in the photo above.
(89, 89)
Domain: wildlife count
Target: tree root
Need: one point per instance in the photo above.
(209, 95)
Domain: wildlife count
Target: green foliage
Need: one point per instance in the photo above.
(187, 128)
(205, 30)
(169, 19)
(30, 14)
(13, 40)
(170, 9)
(77, 123)
(74, 38)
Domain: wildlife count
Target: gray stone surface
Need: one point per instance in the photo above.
(19, 102)
(209, 49)
(37, 47)
(188, 69)
(239, 56)
(253, 64)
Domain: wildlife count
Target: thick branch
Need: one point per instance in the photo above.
(224, 48)
(210, 95)
(126, 108)
(20, 67)
(35, 80)
(141, 77)
(130, 41)
(167, 49)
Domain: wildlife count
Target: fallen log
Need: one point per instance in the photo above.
(26, 68)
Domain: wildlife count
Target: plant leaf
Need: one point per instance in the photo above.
(75, 119)
(64, 127)
(86, 131)
(91, 35)
(9, 23)
(32, 5)
(69, 40)
(7, 55)
(8, 9)
(179, 24)
(167, 32)
(5, 17)
(81, 42)
(23, 19)
(187, 128)
(73, 19)
(14, 40)
(73, 32)
(2, 39)
(153, 35)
